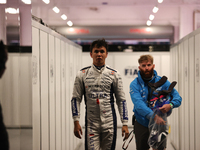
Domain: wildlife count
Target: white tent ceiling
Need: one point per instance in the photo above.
(107, 12)
(111, 12)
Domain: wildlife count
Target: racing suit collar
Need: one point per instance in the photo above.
(98, 70)
(99, 67)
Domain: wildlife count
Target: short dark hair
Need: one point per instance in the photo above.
(99, 43)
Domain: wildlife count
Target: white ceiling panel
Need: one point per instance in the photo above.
(107, 12)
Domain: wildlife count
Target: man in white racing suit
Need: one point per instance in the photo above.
(98, 83)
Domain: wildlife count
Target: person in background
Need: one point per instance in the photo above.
(4, 143)
(140, 96)
(98, 83)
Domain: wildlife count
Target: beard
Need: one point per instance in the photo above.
(146, 74)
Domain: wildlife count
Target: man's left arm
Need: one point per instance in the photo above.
(175, 102)
(121, 103)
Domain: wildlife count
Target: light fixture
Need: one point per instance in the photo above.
(151, 17)
(27, 1)
(149, 22)
(64, 17)
(160, 1)
(69, 23)
(71, 29)
(56, 9)
(46, 1)
(148, 29)
(155, 9)
(2, 1)
(12, 10)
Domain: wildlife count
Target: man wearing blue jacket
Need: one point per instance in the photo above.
(140, 95)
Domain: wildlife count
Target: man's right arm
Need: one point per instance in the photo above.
(77, 96)
(75, 104)
(137, 99)
(159, 120)
(77, 129)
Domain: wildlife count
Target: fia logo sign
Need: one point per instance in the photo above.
(131, 71)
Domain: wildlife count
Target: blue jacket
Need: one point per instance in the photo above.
(139, 97)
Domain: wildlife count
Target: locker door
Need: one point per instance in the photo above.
(71, 59)
(197, 93)
(52, 101)
(186, 97)
(181, 92)
(36, 88)
(68, 97)
(191, 93)
(58, 93)
(44, 90)
(63, 96)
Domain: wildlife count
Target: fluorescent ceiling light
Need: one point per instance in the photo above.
(148, 29)
(46, 1)
(2, 1)
(70, 23)
(155, 9)
(56, 9)
(71, 30)
(160, 1)
(149, 22)
(12, 10)
(27, 1)
(151, 17)
(64, 17)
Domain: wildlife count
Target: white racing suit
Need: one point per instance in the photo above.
(98, 87)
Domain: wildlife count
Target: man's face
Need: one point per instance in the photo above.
(99, 55)
(146, 68)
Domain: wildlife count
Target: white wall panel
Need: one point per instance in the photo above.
(17, 80)
(44, 90)
(52, 102)
(174, 119)
(177, 111)
(188, 87)
(171, 118)
(191, 90)
(68, 97)
(63, 96)
(25, 95)
(165, 63)
(56, 60)
(71, 124)
(181, 92)
(197, 93)
(11, 91)
(186, 96)
(58, 93)
(36, 88)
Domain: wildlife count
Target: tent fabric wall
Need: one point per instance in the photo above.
(53, 76)
(186, 130)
